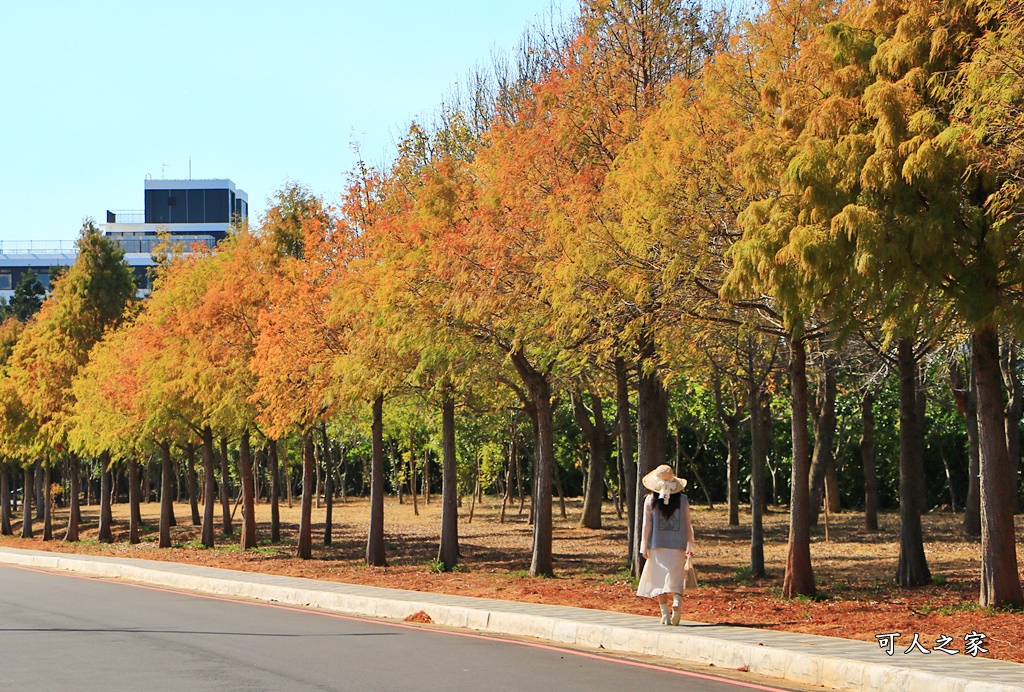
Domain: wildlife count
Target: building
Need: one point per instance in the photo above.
(190, 211)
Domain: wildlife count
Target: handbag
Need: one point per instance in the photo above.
(689, 575)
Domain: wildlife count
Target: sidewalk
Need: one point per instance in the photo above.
(840, 664)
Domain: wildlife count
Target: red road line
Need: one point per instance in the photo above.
(419, 628)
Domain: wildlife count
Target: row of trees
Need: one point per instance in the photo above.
(647, 207)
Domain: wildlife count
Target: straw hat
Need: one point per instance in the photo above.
(663, 481)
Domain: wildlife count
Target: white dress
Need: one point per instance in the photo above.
(663, 571)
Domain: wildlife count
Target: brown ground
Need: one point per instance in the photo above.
(854, 570)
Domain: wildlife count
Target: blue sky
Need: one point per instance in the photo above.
(95, 96)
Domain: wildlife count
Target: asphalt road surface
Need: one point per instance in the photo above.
(61, 632)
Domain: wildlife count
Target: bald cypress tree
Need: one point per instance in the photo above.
(895, 203)
(87, 300)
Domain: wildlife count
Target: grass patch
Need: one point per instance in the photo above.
(194, 544)
(743, 574)
(437, 567)
(621, 577)
(268, 550)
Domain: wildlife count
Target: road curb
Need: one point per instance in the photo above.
(834, 663)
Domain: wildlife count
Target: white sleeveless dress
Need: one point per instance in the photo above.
(663, 571)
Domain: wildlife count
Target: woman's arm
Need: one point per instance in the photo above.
(689, 530)
(645, 534)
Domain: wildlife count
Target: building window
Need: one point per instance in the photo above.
(157, 207)
(177, 200)
(196, 206)
(5, 281)
(217, 206)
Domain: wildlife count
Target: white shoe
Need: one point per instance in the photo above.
(665, 618)
(675, 616)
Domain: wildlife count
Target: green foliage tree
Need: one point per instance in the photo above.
(28, 296)
(92, 297)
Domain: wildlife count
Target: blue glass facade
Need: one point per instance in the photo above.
(192, 206)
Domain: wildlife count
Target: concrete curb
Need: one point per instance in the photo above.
(840, 664)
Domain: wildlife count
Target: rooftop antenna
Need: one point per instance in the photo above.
(163, 170)
(190, 168)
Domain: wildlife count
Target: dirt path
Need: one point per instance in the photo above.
(854, 569)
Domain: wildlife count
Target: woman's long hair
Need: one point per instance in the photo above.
(667, 510)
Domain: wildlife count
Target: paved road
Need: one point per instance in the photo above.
(65, 632)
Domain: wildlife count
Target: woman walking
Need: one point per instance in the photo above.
(666, 543)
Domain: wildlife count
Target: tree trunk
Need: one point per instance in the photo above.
(756, 402)
(620, 480)
(140, 491)
(166, 473)
(193, 484)
(5, 502)
(832, 497)
(38, 485)
(554, 479)
(448, 551)
(106, 515)
(173, 520)
(287, 471)
(1013, 412)
(629, 484)
(48, 504)
(209, 488)
(543, 528)
(426, 475)
(953, 504)
(343, 465)
(245, 469)
(513, 452)
(824, 436)
(519, 484)
(729, 424)
(599, 442)
(329, 500)
(305, 546)
(472, 495)
(912, 568)
(732, 439)
(652, 438)
(74, 510)
(396, 472)
(799, 579)
(134, 491)
(375, 552)
(412, 473)
(225, 489)
(328, 485)
(1000, 581)
(965, 393)
(705, 488)
(867, 457)
(26, 503)
(920, 409)
(318, 458)
(275, 491)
